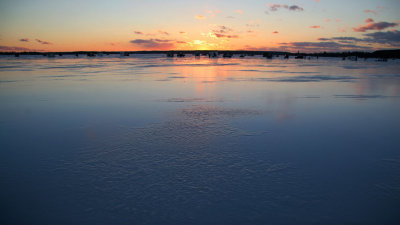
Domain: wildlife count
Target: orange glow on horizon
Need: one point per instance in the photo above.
(138, 26)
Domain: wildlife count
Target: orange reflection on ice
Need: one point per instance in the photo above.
(204, 72)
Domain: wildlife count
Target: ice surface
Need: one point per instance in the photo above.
(218, 141)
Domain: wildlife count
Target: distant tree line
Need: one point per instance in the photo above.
(395, 54)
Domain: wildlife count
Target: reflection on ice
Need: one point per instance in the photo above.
(364, 96)
(317, 78)
(192, 100)
(176, 77)
(188, 64)
(312, 78)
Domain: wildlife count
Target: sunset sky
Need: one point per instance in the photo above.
(122, 25)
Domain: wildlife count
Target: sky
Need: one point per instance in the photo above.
(132, 25)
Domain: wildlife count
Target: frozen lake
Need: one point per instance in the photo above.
(147, 139)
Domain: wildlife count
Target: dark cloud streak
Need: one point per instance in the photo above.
(224, 32)
(153, 43)
(13, 48)
(374, 26)
(391, 38)
(276, 7)
(43, 42)
(323, 46)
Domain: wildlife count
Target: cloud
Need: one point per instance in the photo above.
(24, 39)
(223, 32)
(370, 11)
(375, 12)
(181, 42)
(322, 46)
(313, 44)
(374, 26)
(239, 11)
(315, 27)
(142, 41)
(43, 42)
(347, 39)
(162, 40)
(13, 48)
(200, 17)
(295, 8)
(253, 23)
(276, 7)
(153, 44)
(223, 29)
(341, 39)
(275, 32)
(154, 34)
(226, 36)
(369, 20)
(389, 37)
(183, 32)
(138, 32)
(163, 32)
(212, 13)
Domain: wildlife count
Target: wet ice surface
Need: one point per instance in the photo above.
(151, 140)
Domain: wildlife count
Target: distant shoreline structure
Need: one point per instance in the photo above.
(376, 54)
